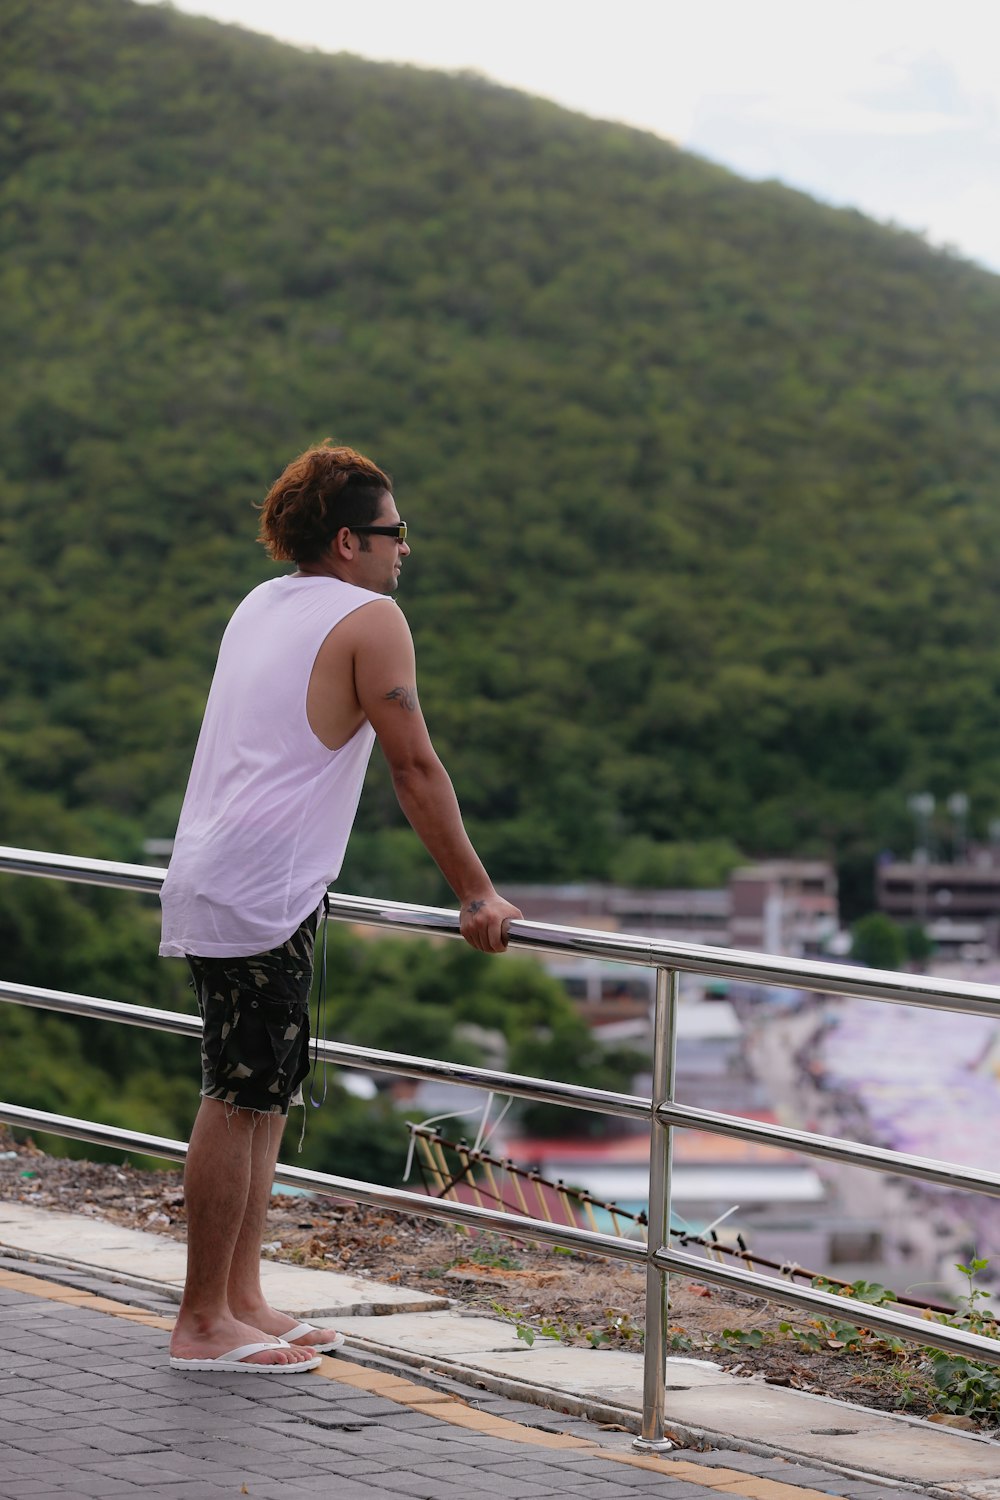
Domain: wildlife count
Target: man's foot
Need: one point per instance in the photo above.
(192, 1339)
(296, 1335)
(240, 1361)
(323, 1340)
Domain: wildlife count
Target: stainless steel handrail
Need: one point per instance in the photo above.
(397, 1199)
(540, 1090)
(661, 1110)
(832, 1148)
(584, 942)
(589, 1241)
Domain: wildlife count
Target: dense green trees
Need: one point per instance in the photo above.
(880, 943)
(877, 942)
(701, 475)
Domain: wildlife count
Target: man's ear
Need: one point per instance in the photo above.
(343, 544)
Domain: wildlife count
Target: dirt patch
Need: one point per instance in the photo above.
(579, 1299)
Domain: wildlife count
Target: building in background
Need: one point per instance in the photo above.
(957, 904)
(786, 906)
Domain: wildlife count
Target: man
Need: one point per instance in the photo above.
(312, 668)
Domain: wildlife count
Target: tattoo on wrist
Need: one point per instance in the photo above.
(405, 697)
(475, 906)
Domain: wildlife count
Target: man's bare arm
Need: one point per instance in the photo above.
(385, 679)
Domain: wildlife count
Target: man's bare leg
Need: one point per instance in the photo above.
(245, 1295)
(217, 1179)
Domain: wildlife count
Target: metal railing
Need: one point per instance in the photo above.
(661, 1110)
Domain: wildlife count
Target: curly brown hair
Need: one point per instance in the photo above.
(322, 490)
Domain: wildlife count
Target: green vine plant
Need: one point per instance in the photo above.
(617, 1328)
(492, 1254)
(835, 1335)
(915, 1374)
(965, 1388)
(746, 1338)
(950, 1383)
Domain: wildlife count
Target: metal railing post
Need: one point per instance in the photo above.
(654, 1368)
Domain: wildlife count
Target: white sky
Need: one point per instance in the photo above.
(892, 106)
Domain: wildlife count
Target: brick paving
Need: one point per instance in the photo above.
(90, 1408)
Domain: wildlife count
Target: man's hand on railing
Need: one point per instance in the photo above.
(485, 922)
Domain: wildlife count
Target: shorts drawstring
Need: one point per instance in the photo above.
(321, 1008)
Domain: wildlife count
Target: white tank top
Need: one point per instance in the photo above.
(268, 808)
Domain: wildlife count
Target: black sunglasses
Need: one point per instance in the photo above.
(398, 533)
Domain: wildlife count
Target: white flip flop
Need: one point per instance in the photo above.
(236, 1361)
(301, 1329)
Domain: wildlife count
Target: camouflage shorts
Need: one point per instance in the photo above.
(255, 1014)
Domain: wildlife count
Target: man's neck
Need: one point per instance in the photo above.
(321, 568)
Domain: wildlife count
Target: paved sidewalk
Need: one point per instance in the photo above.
(89, 1407)
(426, 1345)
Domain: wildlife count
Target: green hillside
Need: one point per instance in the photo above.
(702, 477)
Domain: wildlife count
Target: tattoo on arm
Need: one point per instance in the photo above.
(475, 906)
(405, 697)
